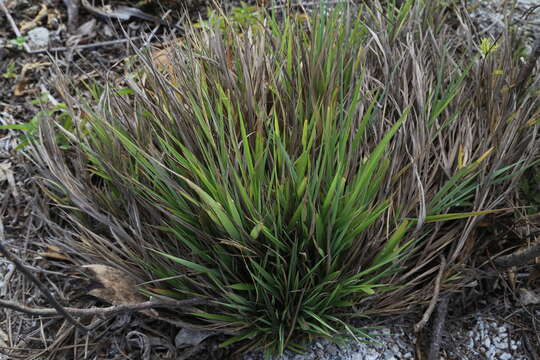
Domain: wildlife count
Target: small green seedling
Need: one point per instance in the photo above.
(30, 129)
(10, 71)
(19, 41)
(43, 98)
(243, 16)
(487, 46)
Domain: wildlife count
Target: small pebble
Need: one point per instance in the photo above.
(38, 38)
(332, 349)
(500, 344)
(389, 355)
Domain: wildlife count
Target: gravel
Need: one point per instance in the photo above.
(487, 339)
(492, 15)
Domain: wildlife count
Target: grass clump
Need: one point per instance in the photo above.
(299, 173)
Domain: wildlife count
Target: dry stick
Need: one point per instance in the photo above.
(73, 13)
(437, 330)
(147, 42)
(88, 46)
(106, 311)
(519, 257)
(60, 310)
(425, 318)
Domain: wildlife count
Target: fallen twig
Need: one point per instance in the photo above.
(32, 24)
(437, 329)
(73, 14)
(89, 46)
(519, 257)
(427, 314)
(104, 311)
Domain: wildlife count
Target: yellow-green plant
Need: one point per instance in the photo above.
(487, 46)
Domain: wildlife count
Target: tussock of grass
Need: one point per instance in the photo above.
(298, 173)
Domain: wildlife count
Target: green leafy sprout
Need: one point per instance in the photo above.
(19, 41)
(487, 46)
(240, 17)
(10, 71)
(30, 129)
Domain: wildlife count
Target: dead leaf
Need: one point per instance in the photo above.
(87, 29)
(534, 276)
(53, 18)
(140, 340)
(33, 66)
(186, 337)
(54, 252)
(528, 297)
(28, 25)
(116, 287)
(5, 170)
(4, 339)
(7, 174)
(163, 57)
(512, 278)
(21, 85)
(84, 32)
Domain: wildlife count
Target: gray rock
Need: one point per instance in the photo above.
(38, 38)
(500, 344)
(332, 349)
(389, 355)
